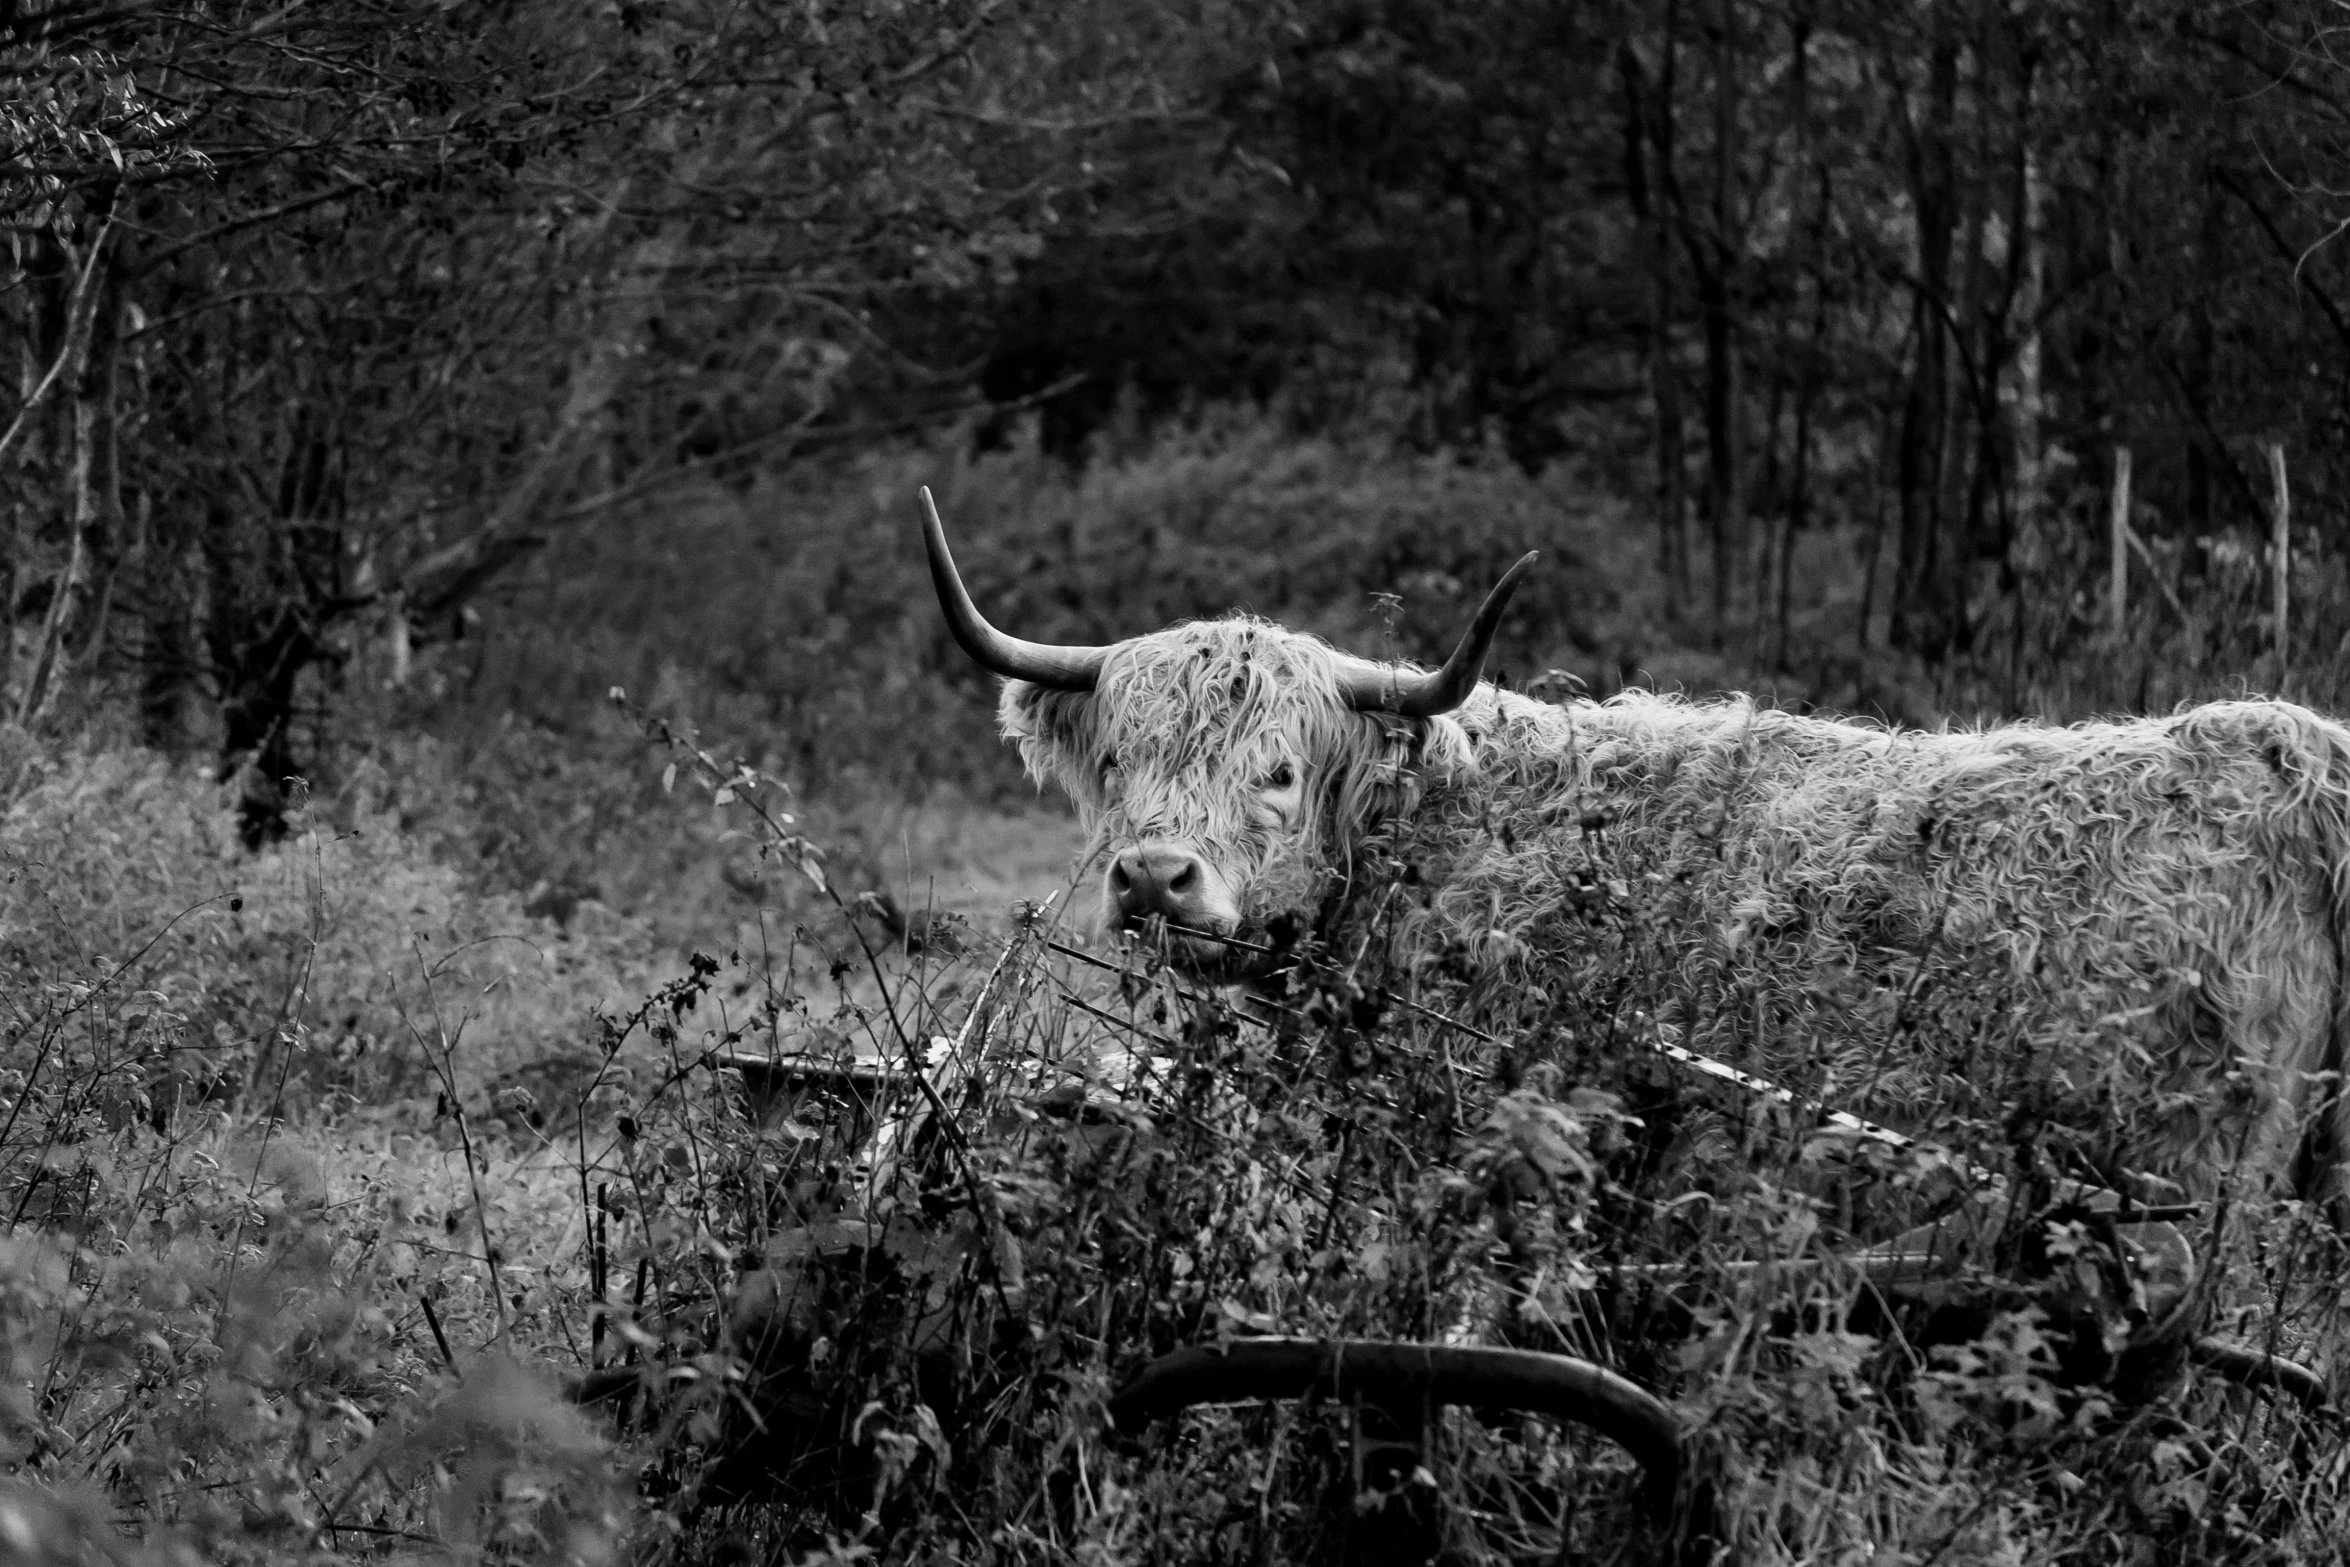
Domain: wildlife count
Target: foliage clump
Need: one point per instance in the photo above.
(840, 1247)
(1448, 1153)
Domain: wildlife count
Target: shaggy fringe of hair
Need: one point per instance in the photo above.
(1195, 717)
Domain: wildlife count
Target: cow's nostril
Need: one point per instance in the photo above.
(1185, 879)
(1118, 877)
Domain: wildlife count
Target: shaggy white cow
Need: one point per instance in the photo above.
(2176, 886)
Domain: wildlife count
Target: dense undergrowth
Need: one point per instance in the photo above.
(325, 1169)
(835, 1318)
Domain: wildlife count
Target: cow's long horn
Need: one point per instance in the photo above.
(1378, 688)
(1040, 663)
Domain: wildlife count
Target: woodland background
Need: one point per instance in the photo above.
(387, 382)
(355, 346)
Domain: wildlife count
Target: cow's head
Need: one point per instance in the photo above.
(1224, 768)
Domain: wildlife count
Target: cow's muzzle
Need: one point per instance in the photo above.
(1167, 881)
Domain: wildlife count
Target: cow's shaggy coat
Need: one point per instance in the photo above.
(2182, 883)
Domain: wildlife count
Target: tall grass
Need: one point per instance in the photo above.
(244, 1254)
(1117, 1166)
(318, 1168)
(264, 1331)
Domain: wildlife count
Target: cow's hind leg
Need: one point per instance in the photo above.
(2319, 1174)
(2289, 1031)
(2283, 1037)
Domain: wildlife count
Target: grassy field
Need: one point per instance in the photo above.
(328, 1168)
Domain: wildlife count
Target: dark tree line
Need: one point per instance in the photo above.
(321, 317)
(1818, 261)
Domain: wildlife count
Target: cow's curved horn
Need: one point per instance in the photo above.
(1377, 688)
(1041, 663)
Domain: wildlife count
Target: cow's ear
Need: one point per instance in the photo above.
(1444, 749)
(1425, 751)
(1016, 710)
(1051, 729)
(1405, 755)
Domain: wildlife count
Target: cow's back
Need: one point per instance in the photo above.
(2173, 886)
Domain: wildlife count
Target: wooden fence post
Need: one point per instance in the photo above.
(2118, 595)
(2281, 553)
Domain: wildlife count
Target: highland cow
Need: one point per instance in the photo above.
(2175, 887)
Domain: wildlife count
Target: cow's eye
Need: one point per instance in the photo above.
(1281, 777)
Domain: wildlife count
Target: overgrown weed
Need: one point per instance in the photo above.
(918, 1366)
(828, 1312)
(228, 1197)
(303, 1152)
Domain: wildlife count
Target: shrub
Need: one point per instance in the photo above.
(160, 962)
(226, 1081)
(919, 1365)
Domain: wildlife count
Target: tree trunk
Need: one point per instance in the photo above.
(64, 294)
(78, 602)
(170, 610)
(1725, 498)
(1966, 452)
(1920, 619)
(73, 337)
(1648, 126)
(2027, 543)
(72, 582)
(85, 635)
(11, 543)
(1768, 488)
(2196, 370)
(1799, 488)
(1806, 172)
